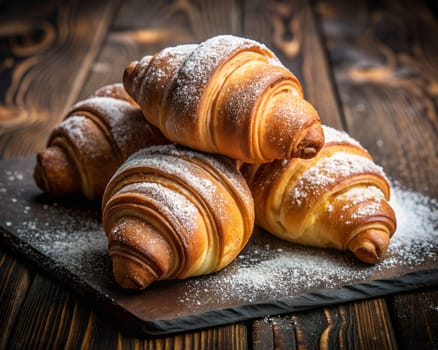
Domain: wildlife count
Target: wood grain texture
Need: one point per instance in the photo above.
(169, 20)
(36, 86)
(383, 61)
(374, 327)
(415, 319)
(233, 336)
(274, 333)
(52, 317)
(15, 279)
(382, 57)
(361, 325)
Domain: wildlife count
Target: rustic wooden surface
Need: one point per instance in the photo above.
(369, 68)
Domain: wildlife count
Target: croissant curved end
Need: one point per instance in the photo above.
(54, 172)
(311, 144)
(140, 254)
(128, 76)
(370, 246)
(131, 275)
(116, 91)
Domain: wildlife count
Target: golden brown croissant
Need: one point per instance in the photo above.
(170, 213)
(87, 147)
(338, 199)
(227, 95)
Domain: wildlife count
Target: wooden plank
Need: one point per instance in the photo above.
(51, 317)
(15, 279)
(228, 337)
(289, 29)
(374, 327)
(362, 325)
(262, 335)
(415, 319)
(36, 87)
(384, 61)
(179, 19)
(274, 333)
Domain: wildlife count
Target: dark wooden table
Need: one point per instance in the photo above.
(370, 68)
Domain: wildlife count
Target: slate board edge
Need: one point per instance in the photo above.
(134, 325)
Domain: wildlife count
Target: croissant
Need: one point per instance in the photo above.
(338, 199)
(170, 212)
(95, 137)
(227, 95)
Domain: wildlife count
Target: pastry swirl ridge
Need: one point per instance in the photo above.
(170, 213)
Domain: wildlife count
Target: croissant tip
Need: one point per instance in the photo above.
(129, 275)
(54, 172)
(366, 255)
(370, 246)
(128, 76)
(116, 91)
(309, 152)
(312, 142)
(39, 175)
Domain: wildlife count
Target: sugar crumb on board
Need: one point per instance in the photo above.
(265, 270)
(276, 273)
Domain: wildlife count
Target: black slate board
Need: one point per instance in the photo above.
(270, 277)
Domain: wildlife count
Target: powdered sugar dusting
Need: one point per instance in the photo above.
(243, 96)
(181, 208)
(76, 130)
(176, 168)
(369, 196)
(332, 135)
(329, 170)
(201, 64)
(160, 72)
(175, 160)
(122, 119)
(174, 57)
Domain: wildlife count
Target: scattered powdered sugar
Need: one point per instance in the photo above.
(70, 235)
(12, 176)
(416, 237)
(76, 244)
(271, 269)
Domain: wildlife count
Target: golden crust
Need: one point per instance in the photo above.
(198, 205)
(220, 97)
(338, 199)
(95, 137)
